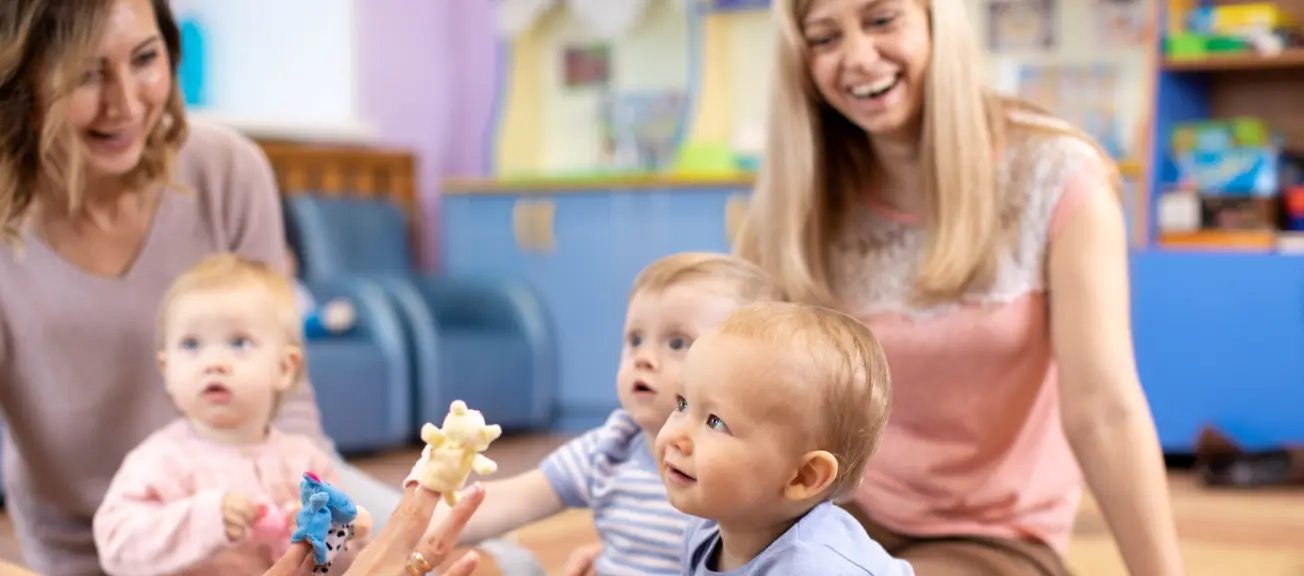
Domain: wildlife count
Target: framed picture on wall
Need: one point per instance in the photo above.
(639, 129)
(587, 66)
(1022, 25)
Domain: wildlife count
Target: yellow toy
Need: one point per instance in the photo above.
(454, 450)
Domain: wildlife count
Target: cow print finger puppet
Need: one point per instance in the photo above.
(326, 520)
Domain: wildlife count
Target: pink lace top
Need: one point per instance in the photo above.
(974, 445)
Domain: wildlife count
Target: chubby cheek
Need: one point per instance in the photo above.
(625, 375)
(670, 378)
(662, 441)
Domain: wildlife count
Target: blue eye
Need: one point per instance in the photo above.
(715, 423)
(635, 340)
(189, 343)
(241, 343)
(678, 343)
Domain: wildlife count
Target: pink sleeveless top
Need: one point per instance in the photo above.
(974, 444)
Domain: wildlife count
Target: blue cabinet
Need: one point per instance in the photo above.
(602, 239)
(1220, 340)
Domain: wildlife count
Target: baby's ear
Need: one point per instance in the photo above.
(814, 475)
(291, 363)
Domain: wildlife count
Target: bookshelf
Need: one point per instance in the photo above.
(1218, 325)
(1221, 86)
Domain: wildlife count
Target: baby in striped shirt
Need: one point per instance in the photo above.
(611, 470)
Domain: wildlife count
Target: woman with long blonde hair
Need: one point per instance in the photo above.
(983, 241)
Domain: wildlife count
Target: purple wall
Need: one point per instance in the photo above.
(428, 74)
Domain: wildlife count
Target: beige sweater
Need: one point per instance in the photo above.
(79, 383)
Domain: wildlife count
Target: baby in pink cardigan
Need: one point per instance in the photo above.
(215, 492)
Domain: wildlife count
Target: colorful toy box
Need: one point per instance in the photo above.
(1237, 157)
(1211, 30)
(1238, 171)
(1219, 135)
(1242, 19)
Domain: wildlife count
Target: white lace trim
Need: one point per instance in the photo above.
(875, 261)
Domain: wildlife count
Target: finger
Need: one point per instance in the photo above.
(573, 567)
(438, 542)
(296, 561)
(465, 566)
(576, 565)
(410, 518)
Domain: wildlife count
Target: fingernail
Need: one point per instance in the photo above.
(470, 558)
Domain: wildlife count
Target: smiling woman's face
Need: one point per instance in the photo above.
(125, 86)
(869, 59)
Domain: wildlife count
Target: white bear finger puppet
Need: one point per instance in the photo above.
(454, 451)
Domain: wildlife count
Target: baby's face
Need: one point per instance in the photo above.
(736, 437)
(226, 357)
(660, 326)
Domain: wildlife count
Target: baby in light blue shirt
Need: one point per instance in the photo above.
(780, 407)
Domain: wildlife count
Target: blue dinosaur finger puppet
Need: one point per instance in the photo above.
(326, 520)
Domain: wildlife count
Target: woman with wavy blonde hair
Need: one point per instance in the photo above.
(107, 193)
(983, 242)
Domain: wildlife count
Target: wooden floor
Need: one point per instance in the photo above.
(1223, 533)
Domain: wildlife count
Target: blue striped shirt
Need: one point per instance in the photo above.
(610, 471)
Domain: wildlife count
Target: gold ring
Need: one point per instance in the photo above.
(417, 565)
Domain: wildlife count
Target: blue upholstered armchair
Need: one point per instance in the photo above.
(485, 341)
(362, 377)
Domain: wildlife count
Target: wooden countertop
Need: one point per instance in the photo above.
(1131, 169)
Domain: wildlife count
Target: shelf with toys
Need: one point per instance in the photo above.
(1218, 310)
(1227, 166)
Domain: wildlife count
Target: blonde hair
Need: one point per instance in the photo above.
(231, 272)
(817, 163)
(748, 280)
(843, 367)
(43, 44)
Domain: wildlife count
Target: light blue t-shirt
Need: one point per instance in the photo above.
(827, 541)
(610, 471)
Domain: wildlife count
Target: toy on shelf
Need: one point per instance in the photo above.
(1235, 156)
(454, 451)
(326, 520)
(1262, 28)
(1231, 174)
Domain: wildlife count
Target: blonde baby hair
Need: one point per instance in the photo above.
(843, 371)
(233, 272)
(749, 281)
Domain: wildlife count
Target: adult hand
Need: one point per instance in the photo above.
(403, 538)
(581, 560)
